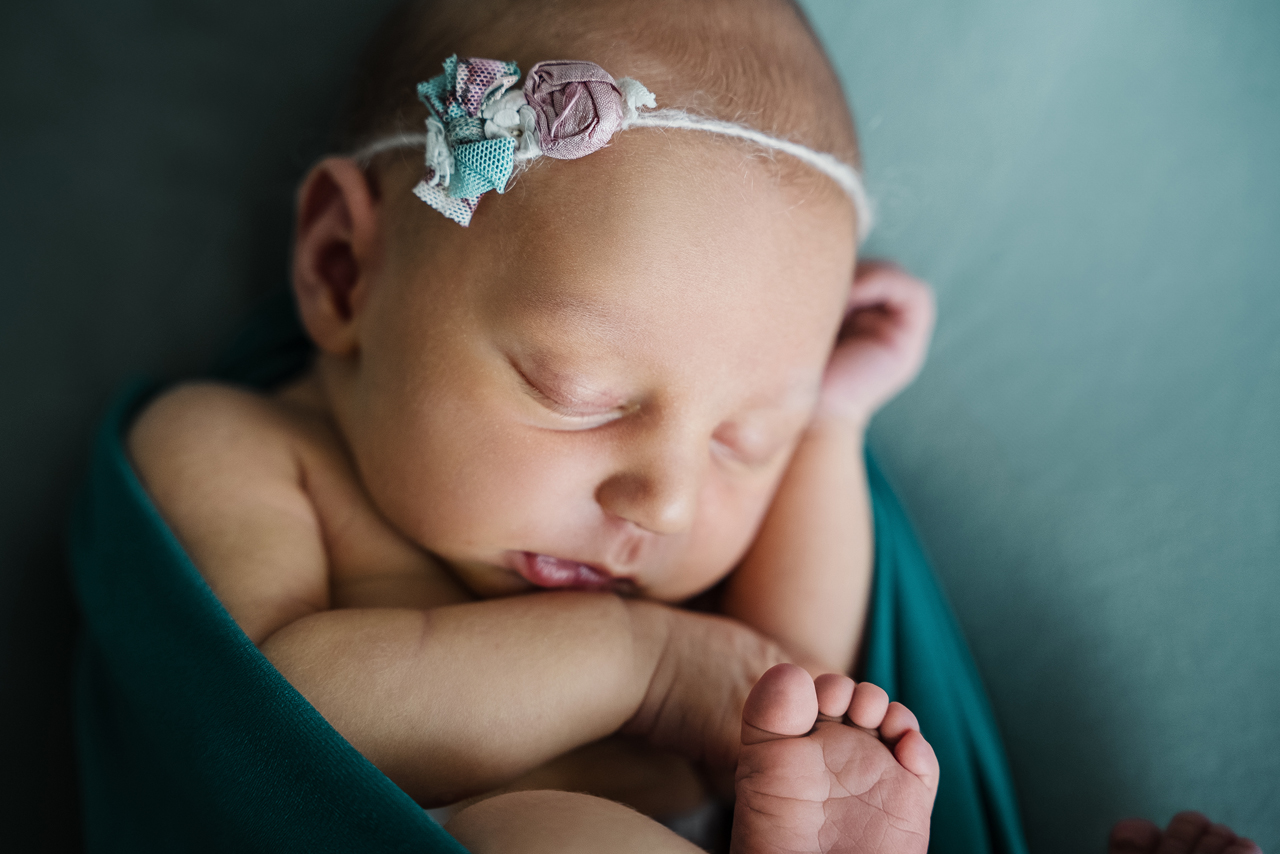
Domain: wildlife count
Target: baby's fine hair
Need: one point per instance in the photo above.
(757, 62)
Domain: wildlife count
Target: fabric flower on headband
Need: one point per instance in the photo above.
(578, 107)
(480, 128)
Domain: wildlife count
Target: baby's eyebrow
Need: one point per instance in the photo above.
(560, 297)
(595, 315)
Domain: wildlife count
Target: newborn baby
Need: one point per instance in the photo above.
(548, 409)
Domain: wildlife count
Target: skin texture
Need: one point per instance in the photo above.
(889, 319)
(826, 766)
(621, 407)
(830, 766)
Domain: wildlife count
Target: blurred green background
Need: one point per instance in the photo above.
(1092, 454)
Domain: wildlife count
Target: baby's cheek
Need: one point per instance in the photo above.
(418, 475)
(485, 495)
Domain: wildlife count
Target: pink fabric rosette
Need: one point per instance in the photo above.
(577, 106)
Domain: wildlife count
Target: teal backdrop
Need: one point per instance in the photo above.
(1092, 454)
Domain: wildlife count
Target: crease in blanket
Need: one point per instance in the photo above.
(189, 740)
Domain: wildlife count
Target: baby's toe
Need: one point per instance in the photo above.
(1216, 840)
(835, 691)
(915, 754)
(869, 704)
(783, 704)
(1134, 836)
(1183, 833)
(898, 721)
(1243, 846)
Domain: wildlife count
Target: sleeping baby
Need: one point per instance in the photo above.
(569, 510)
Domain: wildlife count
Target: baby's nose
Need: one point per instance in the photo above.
(659, 492)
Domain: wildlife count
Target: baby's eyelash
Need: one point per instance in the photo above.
(566, 410)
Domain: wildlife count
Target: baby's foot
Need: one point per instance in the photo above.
(1188, 832)
(809, 781)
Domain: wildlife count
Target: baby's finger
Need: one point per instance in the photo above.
(887, 285)
(909, 300)
(870, 266)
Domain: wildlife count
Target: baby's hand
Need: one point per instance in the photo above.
(882, 344)
(694, 702)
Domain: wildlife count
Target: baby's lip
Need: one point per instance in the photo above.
(555, 573)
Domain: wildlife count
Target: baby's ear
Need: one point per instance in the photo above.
(333, 251)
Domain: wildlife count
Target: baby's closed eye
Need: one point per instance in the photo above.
(571, 397)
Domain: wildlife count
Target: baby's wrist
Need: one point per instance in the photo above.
(846, 423)
(703, 674)
(652, 628)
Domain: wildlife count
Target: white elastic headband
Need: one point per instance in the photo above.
(478, 130)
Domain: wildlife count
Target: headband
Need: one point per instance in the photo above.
(480, 129)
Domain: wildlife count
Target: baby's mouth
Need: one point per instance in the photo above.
(556, 573)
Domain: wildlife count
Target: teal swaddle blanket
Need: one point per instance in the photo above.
(190, 740)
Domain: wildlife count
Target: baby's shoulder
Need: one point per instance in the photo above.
(198, 423)
(262, 494)
(197, 437)
(224, 467)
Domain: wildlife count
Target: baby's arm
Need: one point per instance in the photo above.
(490, 690)
(807, 578)
(449, 698)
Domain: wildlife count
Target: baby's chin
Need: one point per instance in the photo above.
(485, 580)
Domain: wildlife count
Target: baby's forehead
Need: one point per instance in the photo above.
(686, 219)
(680, 267)
(657, 212)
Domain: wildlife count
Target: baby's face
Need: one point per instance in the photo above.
(598, 384)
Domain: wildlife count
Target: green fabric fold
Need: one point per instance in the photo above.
(914, 649)
(190, 740)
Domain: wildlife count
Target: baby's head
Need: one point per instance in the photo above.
(598, 383)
